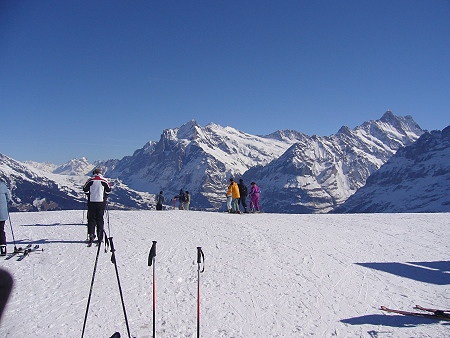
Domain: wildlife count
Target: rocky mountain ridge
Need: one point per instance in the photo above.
(415, 179)
(296, 172)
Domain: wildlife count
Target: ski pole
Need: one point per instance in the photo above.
(113, 260)
(107, 218)
(90, 290)
(12, 232)
(200, 258)
(151, 260)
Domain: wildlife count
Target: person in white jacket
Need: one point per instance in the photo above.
(97, 188)
(5, 197)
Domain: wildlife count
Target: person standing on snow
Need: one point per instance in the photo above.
(5, 197)
(254, 199)
(159, 200)
(187, 200)
(181, 199)
(243, 192)
(233, 190)
(229, 198)
(97, 188)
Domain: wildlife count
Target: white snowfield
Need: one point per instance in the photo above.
(266, 275)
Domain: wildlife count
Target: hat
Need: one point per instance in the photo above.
(231, 179)
(97, 171)
(241, 180)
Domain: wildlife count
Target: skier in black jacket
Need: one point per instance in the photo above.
(244, 193)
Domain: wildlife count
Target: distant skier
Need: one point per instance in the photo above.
(254, 197)
(243, 192)
(159, 201)
(229, 200)
(181, 199)
(187, 200)
(97, 188)
(233, 190)
(5, 197)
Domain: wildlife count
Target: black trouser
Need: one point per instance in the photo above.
(95, 218)
(243, 200)
(2, 233)
(158, 206)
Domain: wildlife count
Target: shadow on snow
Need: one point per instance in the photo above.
(428, 272)
(391, 320)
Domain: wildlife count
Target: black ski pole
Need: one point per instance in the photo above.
(12, 232)
(107, 218)
(113, 260)
(90, 290)
(200, 258)
(151, 260)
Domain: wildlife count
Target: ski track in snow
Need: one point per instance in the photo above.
(266, 275)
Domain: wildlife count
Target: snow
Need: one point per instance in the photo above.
(266, 275)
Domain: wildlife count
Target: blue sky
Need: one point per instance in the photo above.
(101, 78)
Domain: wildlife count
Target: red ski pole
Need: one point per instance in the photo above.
(200, 258)
(151, 260)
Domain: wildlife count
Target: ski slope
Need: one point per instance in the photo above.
(266, 275)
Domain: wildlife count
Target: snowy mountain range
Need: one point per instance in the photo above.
(297, 173)
(44, 186)
(415, 179)
(317, 174)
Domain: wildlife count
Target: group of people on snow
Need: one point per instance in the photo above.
(237, 194)
(97, 188)
(183, 198)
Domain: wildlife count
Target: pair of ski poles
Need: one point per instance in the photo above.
(108, 241)
(200, 269)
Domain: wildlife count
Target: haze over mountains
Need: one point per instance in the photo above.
(297, 173)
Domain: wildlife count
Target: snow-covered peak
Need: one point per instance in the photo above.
(76, 166)
(188, 130)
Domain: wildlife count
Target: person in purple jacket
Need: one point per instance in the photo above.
(254, 197)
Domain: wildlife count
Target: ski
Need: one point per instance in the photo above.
(435, 315)
(435, 311)
(17, 251)
(28, 251)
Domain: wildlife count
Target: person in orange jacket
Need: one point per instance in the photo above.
(233, 190)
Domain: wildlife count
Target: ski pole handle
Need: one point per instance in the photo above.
(152, 253)
(200, 258)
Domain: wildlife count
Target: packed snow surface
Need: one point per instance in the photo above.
(266, 275)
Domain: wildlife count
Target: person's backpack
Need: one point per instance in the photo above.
(182, 197)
